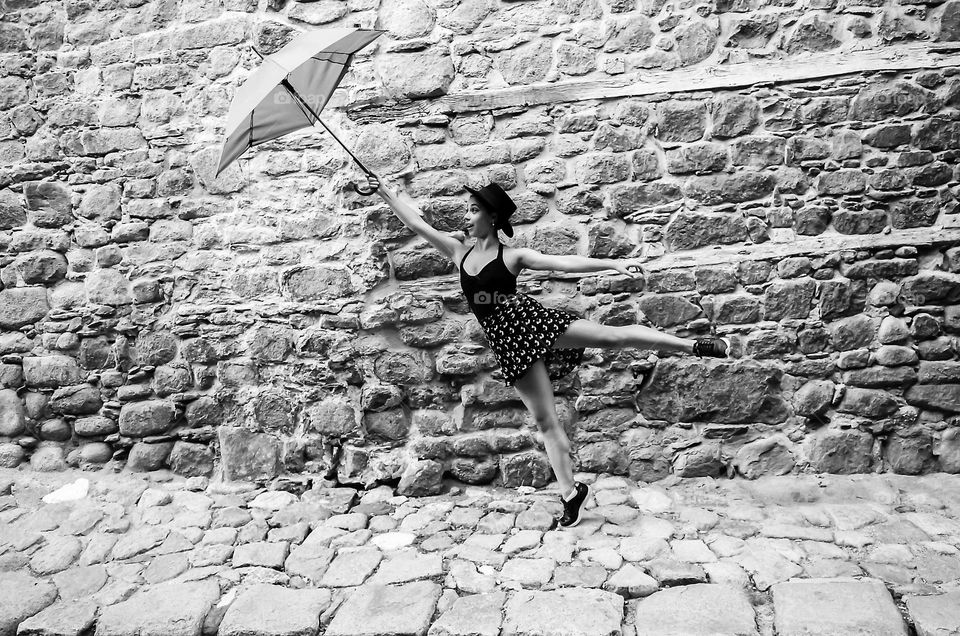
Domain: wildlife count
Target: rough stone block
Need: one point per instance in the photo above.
(694, 390)
(701, 608)
(272, 610)
(23, 596)
(51, 372)
(22, 306)
(247, 455)
(474, 614)
(585, 612)
(151, 417)
(835, 606)
(373, 610)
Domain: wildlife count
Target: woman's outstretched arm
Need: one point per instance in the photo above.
(532, 259)
(447, 244)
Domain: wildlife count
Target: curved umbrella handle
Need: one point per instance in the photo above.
(365, 193)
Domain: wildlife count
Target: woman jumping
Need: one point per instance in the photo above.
(534, 344)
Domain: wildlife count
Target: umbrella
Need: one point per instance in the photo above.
(290, 88)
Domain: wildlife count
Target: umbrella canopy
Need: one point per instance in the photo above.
(290, 88)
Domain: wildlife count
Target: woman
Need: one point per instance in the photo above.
(534, 344)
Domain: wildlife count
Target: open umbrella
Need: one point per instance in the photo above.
(289, 90)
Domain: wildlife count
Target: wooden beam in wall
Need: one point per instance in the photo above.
(699, 78)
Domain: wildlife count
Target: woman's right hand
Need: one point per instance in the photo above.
(373, 181)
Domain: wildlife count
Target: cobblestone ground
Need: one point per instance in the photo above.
(158, 555)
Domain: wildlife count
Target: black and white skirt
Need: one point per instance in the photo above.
(521, 331)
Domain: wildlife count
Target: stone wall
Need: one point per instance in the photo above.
(802, 198)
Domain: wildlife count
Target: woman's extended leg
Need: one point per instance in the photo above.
(586, 333)
(537, 394)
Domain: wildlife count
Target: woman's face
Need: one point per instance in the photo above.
(479, 223)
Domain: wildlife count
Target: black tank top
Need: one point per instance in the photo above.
(487, 289)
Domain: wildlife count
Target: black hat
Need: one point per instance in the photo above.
(498, 203)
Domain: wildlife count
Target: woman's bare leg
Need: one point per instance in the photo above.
(537, 394)
(586, 333)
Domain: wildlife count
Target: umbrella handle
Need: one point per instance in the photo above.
(365, 193)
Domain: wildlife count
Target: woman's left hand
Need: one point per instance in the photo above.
(625, 265)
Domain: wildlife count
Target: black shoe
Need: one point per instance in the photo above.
(572, 509)
(711, 347)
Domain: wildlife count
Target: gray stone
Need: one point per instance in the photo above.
(935, 615)
(107, 287)
(50, 372)
(835, 606)
(813, 398)
(191, 460)
(272, 610)
(585, 612)
(841, 451)
(151, 417)
(914, 212)
(372, 610)
(667, 310)
(895, 355)
(697, 157)
(631, 582)
(736, 309)
(735, 115)
(351, 567)
(165, 567)
(407, 18)
(402, 566)
(525, 64)
(715, 189)
(696, 609)
(23, 596)
(261, 553)
(11, 455)
(694, 390)
(43, 267)
(852, 333)
(64, 618)
(859, 222)
(771, 456)
(892, 330)
(526, 468)
(471, 615)
(757, 151)
(943, 397)
(950, 23)
(47, 459)
(689, 230)
(671, 572)
(94, 426)
(418, 74)
(81, 399)
(169, 609)
(880, 101)
(247, 455)
(602, 167)
(138, 541)
(309, 560)
(48, 203)
(58, 554)
(317, 12)
(681, 121)
(788, 299)
(867, 402)
(11, 413)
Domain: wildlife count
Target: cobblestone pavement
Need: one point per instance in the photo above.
(159, 555)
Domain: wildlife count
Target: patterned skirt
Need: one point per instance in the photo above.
(521, 331)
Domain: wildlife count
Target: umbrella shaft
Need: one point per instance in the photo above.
(305, 105)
